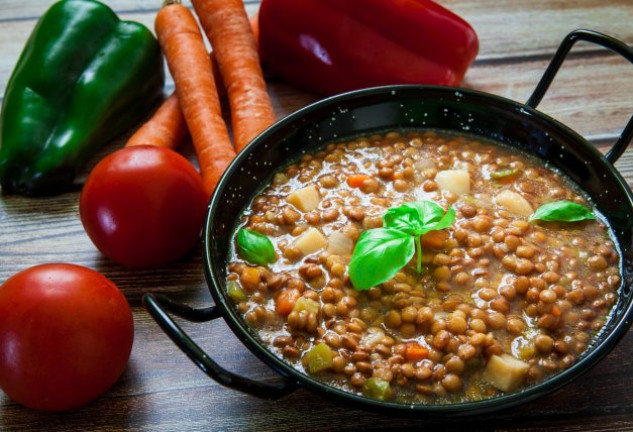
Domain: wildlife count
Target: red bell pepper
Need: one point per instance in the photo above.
(331, 46)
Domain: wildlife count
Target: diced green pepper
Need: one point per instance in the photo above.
(306, 304)
(320, 358)
(504, 173)
(377, 388)
(235, 292)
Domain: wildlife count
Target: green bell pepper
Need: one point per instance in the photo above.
(83, 78)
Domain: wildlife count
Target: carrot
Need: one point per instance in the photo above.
(182, 44)
(434, 239)
(356, 180)
(415, 352)
(286, 300)
(229, 32)
(166, 128)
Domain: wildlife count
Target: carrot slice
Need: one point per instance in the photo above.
(166, 127)
(181, 41)
(286, 300)
(228, 29)
(356, 180)
(415, 352)
(433, 239)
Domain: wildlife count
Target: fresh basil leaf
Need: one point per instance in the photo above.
(379, 254)
(428, 211)
(445, 221)
(255, 247)
(432, 216)
(419, 217)
(562, 211)
(403, 218)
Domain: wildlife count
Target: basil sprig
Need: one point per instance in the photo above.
(255, 247)
(562, 211)
(381, 252)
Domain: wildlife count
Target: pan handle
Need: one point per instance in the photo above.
(158, 307)
(600, 39)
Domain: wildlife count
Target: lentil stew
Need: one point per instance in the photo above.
(500, 302)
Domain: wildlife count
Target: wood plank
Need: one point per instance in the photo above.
(542, 23)
(174, 395)
(539, 25)
(13, 10)
(591, 94)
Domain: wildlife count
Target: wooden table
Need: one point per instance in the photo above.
(162, 390)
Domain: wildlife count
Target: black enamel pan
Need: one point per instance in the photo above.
(396, 107)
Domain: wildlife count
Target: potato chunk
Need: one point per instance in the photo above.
(305, 199)
(505, 372)
(455, 181)
(514, 202)
(310, 241)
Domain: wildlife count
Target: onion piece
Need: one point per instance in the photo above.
(373, 336)
(339, 244)
(423, 164)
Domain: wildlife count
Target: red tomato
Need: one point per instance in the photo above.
(143, 206)
(66, 335)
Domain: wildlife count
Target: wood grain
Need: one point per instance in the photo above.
(587, 95)
(536, 27)
(162, 390)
